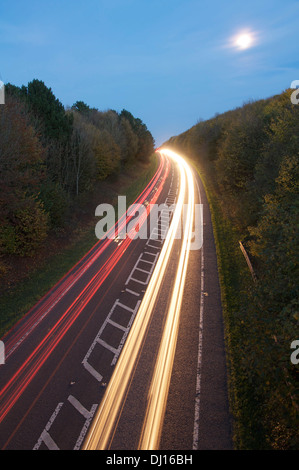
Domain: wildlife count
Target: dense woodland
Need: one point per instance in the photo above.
(249, 158)
(50, 155)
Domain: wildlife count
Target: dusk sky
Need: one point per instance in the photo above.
(168, 62)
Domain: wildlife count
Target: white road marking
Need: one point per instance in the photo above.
(48, 441)
(88, 415)
(79, 407)
(120, 304)
(143, 271)
(107, 346)
(117, 325)
(85, 428)
(199, 356)
(132, 292)
(45, 436)
(92, 370)
(122, 341)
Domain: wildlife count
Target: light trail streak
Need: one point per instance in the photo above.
(103, 426)
(158, 393)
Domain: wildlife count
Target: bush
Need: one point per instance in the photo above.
(31, 228)
(55, 203)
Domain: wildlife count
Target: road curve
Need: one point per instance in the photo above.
(47, 330)
(107, 415)
(126, 352)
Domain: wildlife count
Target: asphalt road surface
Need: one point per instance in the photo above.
(127, 351)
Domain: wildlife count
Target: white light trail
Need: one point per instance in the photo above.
(103, 425)
(158, 393)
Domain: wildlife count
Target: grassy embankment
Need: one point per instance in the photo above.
(16, 301)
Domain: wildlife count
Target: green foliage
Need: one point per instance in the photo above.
(275, 243)
(8, 241)
(55, 202)
(107, 154)
(145, 141)
(130, 142)
(28, 230)
(81, 107)
(23, 221)
(50, 155)
(31, 227)
(43, 104)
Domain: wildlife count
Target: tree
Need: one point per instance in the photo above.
(145, 145)
(53, 125)
(43, 103)
(130, 146)
(82, 155)
(107, 154)
(81, 107)
(24, 223)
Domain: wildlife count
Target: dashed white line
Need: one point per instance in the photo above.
(199, 356)
(132, 292)
(88, 415)
(45, 436)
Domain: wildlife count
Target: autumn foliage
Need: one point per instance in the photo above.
(24, 222)
(50, 155)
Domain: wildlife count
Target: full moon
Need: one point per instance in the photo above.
(244, 41)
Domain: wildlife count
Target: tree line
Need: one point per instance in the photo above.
(250, 157)
(49, 155)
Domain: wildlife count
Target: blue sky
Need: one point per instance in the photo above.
(168, 62)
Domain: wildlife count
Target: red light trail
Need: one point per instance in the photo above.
(17, 384)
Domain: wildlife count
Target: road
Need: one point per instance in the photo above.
(127, 350)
